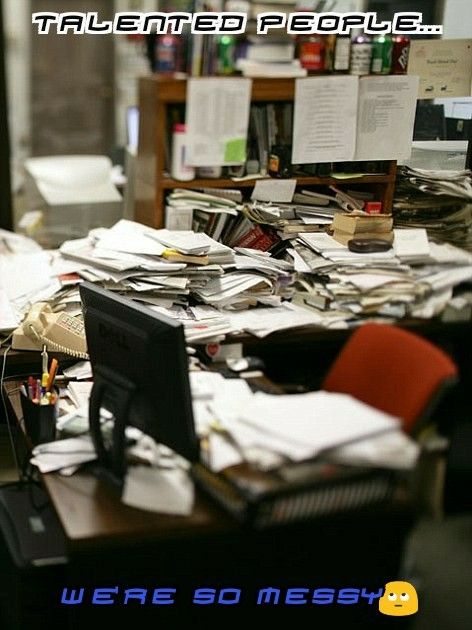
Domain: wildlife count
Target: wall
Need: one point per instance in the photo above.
(457, 19)
(17, 20)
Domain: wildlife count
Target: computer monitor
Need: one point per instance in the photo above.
(140, 370)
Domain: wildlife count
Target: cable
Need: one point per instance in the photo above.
(7, 417)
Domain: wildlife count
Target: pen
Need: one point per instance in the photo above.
(30, 387)
(52, 374)
(44, 382)
(44, 356)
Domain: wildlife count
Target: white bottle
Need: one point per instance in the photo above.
(179, 170)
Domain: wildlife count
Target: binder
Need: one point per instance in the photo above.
(295, 492)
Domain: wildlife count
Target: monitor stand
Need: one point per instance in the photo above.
(114, 393)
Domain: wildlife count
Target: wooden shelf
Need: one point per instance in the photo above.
(174, 90)
(157, 94)
(168, 183)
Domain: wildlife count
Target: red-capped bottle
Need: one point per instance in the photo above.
(311, 53)
(168, 54)
(400, 54)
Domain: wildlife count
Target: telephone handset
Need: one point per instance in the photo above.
(60, 332)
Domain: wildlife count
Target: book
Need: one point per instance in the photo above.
(360, 224)
(293, 492)
(345, 237)
(256, 238)
(297, 227)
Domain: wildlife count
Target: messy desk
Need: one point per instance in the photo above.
(235, 426)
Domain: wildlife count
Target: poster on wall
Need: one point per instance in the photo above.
(443, 65)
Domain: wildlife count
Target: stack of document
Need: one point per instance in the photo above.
(207, 211)
(25, 278)
(440, 201)
(414, 278)
(133, 260)
(269, 430)
(448, 183)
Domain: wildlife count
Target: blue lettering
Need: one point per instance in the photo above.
(266, 594)
(163, 596)
(101, 596)
(323, 596)
(204, 596)
(71, 597)
(296, 596)
(234, 600)
(135, 593)
(372, 596)
(348, 596)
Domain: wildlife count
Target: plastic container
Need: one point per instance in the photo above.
(168, 54)
(179, 170)
(361, 55)
(210, 172)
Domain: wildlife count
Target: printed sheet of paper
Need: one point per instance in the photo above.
(387, 107)
(443, 65)
(276, 190)
(325, 116)
(217, 118)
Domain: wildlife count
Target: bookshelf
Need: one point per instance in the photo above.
(157, 93)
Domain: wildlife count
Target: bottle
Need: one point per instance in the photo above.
(168, 54)
(280, 161)
(342, 53)
(400, 54)
(382, 54)
(226, 51)
(311, 53)
(361, 54)
(179, 170)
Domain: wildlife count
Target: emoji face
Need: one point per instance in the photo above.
(399, 599)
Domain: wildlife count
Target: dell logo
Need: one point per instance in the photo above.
(113, 335)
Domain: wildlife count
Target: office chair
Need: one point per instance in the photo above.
(393, 370)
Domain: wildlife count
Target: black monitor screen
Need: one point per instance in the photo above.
(140, 368)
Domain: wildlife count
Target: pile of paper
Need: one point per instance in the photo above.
(171, 270)
(237, 425)
(414, 278)
(25, 278)
(439, 201)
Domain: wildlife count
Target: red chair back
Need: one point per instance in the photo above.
(393, 370)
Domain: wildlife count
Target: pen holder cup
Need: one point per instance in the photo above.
(39, 420)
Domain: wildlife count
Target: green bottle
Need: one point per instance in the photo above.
(226, 48)
(382, 47)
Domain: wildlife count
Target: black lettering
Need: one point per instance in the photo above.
(328, 23)
(270, 20)
(406, 22)
(151, 18)
(127, 23)
(233, 23)
(204, 23)
(178, 20)
(44, 20)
